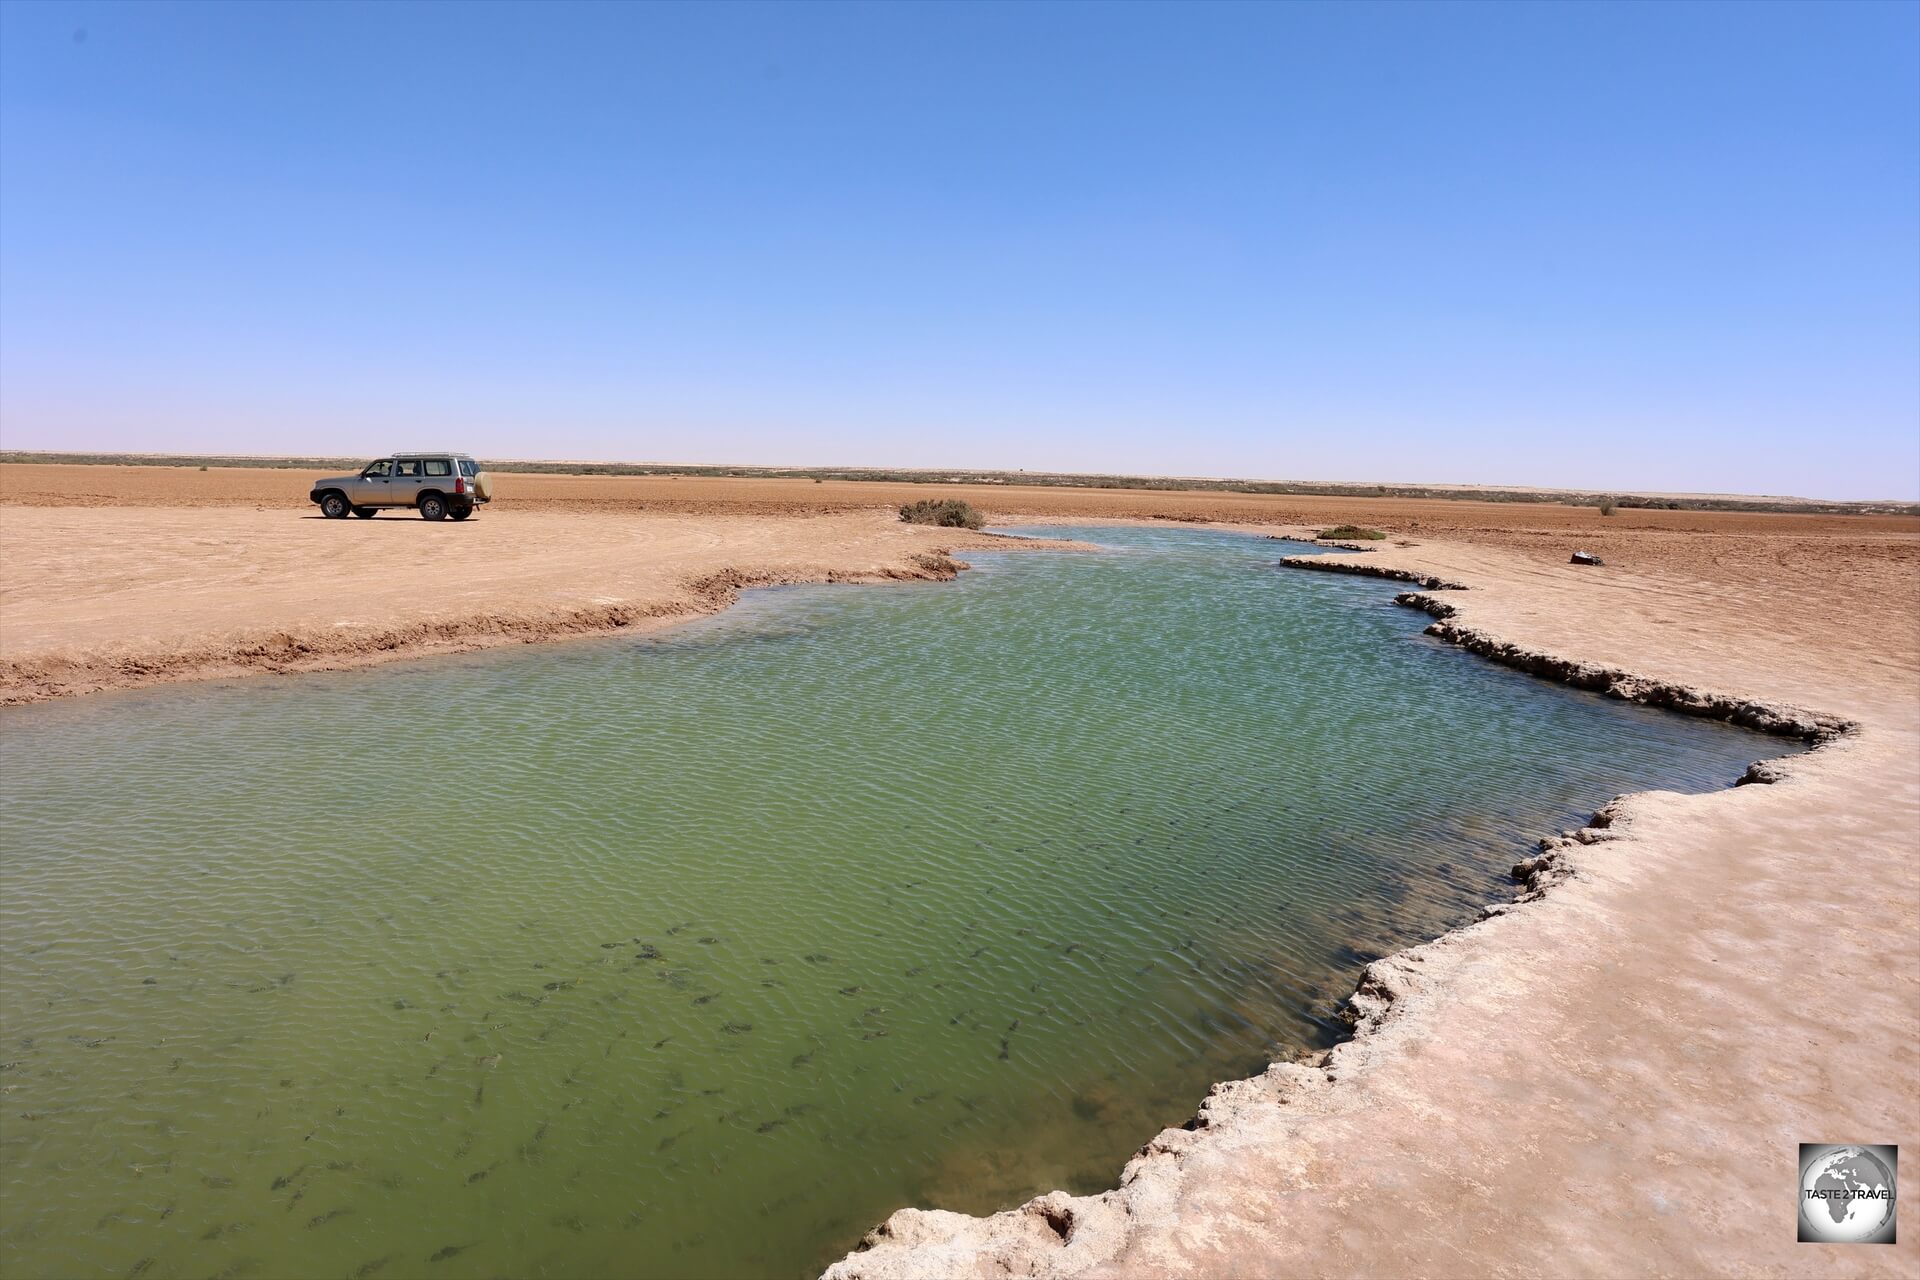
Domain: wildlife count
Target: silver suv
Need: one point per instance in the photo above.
(439, 484)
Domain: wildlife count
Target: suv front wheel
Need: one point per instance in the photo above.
(334, 505)
(433, 507)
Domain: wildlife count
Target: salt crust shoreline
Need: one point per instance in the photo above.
(1061, 1235)
(307, 649)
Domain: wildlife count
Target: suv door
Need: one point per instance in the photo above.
(373, 484)
(437, 474)
(404, 488)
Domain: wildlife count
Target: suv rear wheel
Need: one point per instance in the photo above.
(433, 507)
(460, 510)
(334, 505)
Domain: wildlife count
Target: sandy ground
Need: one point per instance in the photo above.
(1609, 1080)
(131, 596)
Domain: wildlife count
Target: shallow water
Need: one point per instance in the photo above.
(699, 954)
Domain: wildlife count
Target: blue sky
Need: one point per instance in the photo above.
(1637, 246)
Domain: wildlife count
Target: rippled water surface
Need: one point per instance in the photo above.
(699, 954)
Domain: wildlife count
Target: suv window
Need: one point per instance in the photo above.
(439, 467)
(380, 468)
(469, 468)
(407, 467)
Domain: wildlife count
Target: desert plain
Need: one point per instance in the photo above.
(1609, 1077)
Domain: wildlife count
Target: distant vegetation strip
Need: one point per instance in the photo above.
(1048, 479)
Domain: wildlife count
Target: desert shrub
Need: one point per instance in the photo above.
(949, 513)
(1351, 532)
(1607, 508)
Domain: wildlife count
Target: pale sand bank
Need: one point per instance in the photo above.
(121, 597)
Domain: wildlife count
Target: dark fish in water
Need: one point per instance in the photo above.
(480, 1095)
(851, 991)
(139, 1267)
(327, 1217)
(563, 984)
(769, 1126)
(366, 1269)
(608, 946)
(708, 942)
(875, 1035)
(647, 951)
(215, 1182)
(818, 957)
(571, 1222)
(737, 1028)
(668, 1142)
(450, 1251)
(710, 996)
(802, 1059)
(284, 1180)
(1004, 1051)
(661, 1042)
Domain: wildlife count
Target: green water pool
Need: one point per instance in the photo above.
(699, 954)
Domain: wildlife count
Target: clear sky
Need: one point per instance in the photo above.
(1627, 246)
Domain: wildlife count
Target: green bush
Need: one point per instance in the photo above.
(1606, 508)
(948, 513)
(1351, 533)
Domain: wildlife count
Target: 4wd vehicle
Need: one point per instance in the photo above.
(438, 484)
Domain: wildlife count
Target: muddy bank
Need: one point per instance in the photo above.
(307, 649)
(121, 598)
(1543, 1092)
